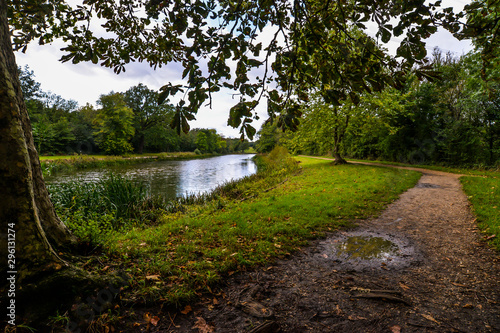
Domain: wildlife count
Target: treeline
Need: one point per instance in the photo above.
(121, 123)
(452, 119)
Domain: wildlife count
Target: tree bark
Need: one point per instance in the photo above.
(140, 148)
(25, 204)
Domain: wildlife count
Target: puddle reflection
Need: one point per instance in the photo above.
(363, 247)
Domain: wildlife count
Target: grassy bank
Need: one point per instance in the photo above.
(260, 219)
(484, 195)
(53, 164)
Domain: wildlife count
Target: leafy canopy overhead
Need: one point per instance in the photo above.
(257, 48)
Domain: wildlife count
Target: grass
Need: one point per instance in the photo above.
(484, 195)
(274, 214)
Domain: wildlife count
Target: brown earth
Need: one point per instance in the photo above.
(435, 275)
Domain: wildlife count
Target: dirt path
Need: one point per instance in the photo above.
(431, 273)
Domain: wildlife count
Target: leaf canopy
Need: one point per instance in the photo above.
(275, 49)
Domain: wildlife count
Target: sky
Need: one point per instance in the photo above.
(85, 82)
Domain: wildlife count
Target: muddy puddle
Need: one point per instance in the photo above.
(362, 250)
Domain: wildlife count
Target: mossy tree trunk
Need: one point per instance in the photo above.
(24, 202)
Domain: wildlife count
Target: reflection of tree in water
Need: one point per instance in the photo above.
(205, 174)
(363, 247)
(171, 178)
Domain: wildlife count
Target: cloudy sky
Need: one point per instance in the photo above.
(85, 82)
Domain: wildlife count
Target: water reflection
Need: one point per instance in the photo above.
(173, 178)
(363, 247)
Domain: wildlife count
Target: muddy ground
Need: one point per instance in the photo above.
(424, 268)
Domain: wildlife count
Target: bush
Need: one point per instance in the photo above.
(197, 151)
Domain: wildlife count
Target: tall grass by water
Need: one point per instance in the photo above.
(94, 210)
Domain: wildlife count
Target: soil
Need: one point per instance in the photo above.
(430, 272)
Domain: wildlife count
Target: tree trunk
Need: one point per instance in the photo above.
(25, 206)
(140, 148)
(338, 159)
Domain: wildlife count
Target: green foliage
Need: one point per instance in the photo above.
(91, 228)
(201, 142)
(269, 137)
(452, 120)
(114, 122)
(323, 45)
(150, 118)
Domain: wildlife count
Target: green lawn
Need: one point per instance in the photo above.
(187, 253)
(484, 195)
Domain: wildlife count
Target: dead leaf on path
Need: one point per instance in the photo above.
(395, 329)
(403, 286)
(458, 284)
(186, 310)
(429, 317)
(202, 326)
(154, 321)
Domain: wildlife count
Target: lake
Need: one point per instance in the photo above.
(172, 178)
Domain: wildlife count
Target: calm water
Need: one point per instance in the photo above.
(173, 178)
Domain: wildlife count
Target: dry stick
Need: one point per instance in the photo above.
(383, 296)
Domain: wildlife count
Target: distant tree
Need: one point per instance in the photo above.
(201, 142)
(268, 137)
(29, 86)
(114, 123)
(147, 112)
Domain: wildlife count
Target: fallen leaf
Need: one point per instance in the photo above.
(186, 310)
(395, 329)
(429, 317)
(458, 284)
(202, 326)
(490, 237)
(153, 277)
(154, 321)
(403, 286)
(468, 306)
